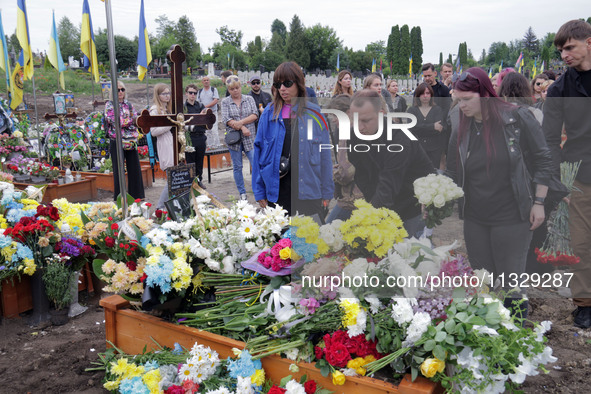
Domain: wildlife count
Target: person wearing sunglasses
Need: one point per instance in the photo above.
(197, 134)
(536, 86)
(286, 156)
(498, 155)
(568, 103)
(261, 98)
(129, 138)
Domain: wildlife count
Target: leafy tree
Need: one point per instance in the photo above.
(277, 44)
(450, 59)
(545, 56)
(297, 48)
(279, 27)
(220, 55)
(416, 48)
(463, 53)
(125, 50)
(267, 59)
(322, 42)
(184, 33)
(69, 37)
(254, 47)
(530, 42)
(165, 26)
(404, 55)
(440, 59)
(393, 47)
(482, 59)
(230, 36)
(498, 51)
(14, 45)
(344, 57)
(360, 61)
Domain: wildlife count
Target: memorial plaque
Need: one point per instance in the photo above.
(180, 179)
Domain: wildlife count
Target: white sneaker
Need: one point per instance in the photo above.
(243, 197)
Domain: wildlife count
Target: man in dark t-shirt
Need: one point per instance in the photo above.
(261, 98)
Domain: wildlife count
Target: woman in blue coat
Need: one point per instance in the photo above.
(292, 168)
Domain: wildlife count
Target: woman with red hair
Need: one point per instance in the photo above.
(498, 155)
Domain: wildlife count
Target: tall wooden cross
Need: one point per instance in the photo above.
(146, 121)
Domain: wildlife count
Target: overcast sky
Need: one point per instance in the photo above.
(444, 23)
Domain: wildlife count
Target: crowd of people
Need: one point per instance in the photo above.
(499, 138)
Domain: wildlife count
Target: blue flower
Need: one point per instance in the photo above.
(133, 386)
(5, 241)
(150, 365)
(243, 366)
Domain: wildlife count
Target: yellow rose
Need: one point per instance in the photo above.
(338, 378)
(431, 366)
(285, 253)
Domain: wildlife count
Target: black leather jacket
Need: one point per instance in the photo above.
(530, 158)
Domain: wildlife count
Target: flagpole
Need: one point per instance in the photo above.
(113, 59)
(147, 89)
(36, 116)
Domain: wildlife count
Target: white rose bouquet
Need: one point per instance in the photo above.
(437, 193)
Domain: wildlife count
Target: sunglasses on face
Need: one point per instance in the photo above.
(121, 90)
(287, 84)
(255, 83)
(465, 75)
(191, 92)
(538, 83)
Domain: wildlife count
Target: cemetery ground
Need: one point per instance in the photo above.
(53, 359)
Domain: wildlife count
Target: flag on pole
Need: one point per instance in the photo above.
(490, 72)
(501, 66)
(338, 62)
(521, 65)
(55, 55)
(22, 33)
(535, 68)
(4, 59)
(519, 61)
(87, 45)
(543, 66)
(16, 83)
(373, 66)
(144, 53)
(458, 64)
(410, 66)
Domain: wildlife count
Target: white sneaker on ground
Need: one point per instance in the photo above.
(243, 197)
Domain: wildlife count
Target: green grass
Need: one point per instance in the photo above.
(79, 82)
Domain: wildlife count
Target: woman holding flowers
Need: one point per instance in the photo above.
(129, 137)
(498, 155)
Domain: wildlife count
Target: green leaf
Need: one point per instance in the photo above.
(276, 282)
(303, 379)
(97, 267)
(414, 373)
(450, 340)
(84, 218)
(476, 320)
(439, 352)
(130, 200)
(492, 317)
(450, 325)
(325, 371)
(429, 345)
(440, 336)
(285, 380)
(323, 391)
(462, 316)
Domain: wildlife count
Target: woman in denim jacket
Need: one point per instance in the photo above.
(283, 139)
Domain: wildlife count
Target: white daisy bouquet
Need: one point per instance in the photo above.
(437, 193)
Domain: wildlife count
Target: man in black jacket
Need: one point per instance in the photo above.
(197, 133)
(386, 169)
(261, 98)
(441, 96)
(568, 102)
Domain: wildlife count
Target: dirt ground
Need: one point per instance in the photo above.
(53, 359)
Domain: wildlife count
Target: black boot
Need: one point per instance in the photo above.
(582, 316)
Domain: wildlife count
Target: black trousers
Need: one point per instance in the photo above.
(199, 142)
(131, 160)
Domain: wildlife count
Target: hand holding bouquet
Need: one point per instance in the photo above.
(437, 193)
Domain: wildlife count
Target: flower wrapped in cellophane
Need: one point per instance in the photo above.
(437, 193)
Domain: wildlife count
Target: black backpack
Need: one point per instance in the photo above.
(199, 92)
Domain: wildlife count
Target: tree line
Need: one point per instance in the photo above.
(314, 48)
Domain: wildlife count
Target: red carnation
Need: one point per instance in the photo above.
(109, 242)
(174, 389)
(144, 277)
(318, 352)
(310, 387)
(138, 200)
(276, 390)
(158, 213)
(131, 265)
(114, 226)
(337, 355)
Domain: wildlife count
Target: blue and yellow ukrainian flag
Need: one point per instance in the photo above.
(410, 65)
(490, 72)
(87, 45)
(4, 59)
(543, 66)
(373, 66)
(22, 33)
(16, 83)
(144, 53)
(55, 55)
(338, 61)
(535, 68)
(501, 66)
(519, 61)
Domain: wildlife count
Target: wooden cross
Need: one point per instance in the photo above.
(60, 117)
(146, 121)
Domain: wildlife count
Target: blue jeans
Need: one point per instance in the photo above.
(236, 156)
(338, 213)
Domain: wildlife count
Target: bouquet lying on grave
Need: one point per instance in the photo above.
(198, 370)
